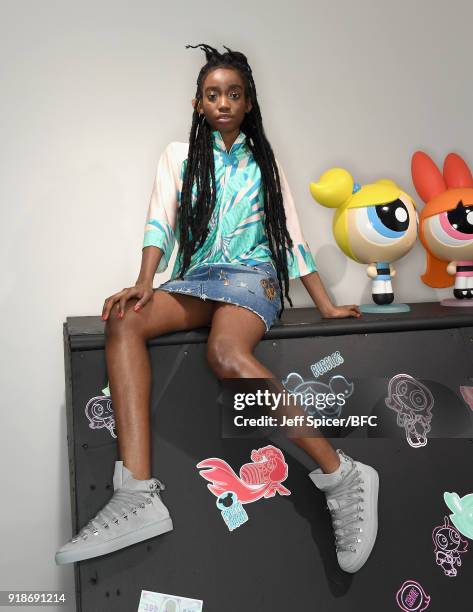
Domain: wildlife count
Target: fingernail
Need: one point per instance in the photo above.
(104, 317)
(137, 307)
(121, 315)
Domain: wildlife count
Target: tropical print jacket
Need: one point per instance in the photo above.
(236, 229)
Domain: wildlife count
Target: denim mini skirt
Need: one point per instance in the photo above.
(254, 287)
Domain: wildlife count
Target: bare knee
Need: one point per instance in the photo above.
(130, 323)
(225, 359)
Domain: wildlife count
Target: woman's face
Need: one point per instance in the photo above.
(223, 99)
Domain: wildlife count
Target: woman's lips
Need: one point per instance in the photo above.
(224, 118)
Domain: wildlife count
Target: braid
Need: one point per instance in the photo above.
(200, 170)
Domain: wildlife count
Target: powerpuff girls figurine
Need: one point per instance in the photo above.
(374, 224)
(446, 224)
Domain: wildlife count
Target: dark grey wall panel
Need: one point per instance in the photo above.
(283, 558)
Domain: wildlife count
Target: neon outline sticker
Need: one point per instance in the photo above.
(295, 384)
(408, 595)
(100, 413)
(413, 403)
(449, 545)
(326, 363)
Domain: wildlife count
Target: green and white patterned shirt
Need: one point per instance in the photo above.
(236, 229)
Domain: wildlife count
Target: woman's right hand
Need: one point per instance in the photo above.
(117, 301)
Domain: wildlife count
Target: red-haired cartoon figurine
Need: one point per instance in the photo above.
(446, 224)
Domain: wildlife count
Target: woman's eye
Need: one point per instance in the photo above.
(385, 223)
(234, 95)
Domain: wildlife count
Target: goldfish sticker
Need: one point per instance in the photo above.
(261, 478)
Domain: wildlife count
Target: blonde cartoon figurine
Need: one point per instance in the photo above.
(446, 224)
(374, 224)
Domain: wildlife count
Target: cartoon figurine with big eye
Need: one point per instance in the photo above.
(446, 224)
(374, 224)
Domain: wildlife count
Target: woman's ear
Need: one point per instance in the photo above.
(196, 104)
(249, 105)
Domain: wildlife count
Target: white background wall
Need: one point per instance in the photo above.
(91, 93)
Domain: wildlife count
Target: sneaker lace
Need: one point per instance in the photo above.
(123, 503)
(345, 518)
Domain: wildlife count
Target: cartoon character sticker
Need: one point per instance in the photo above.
(261, 478)
(462, 508)
(232, 510)
(448, 547)
(311, 389)
(100, 413)
(413, 403)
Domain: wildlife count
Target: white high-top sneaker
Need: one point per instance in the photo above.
(134, 513)
(352, 498)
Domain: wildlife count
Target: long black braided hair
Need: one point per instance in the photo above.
(200, 170)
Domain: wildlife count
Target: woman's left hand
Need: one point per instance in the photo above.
(340, 312)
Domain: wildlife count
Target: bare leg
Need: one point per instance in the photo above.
(129, 370)
(234, 334)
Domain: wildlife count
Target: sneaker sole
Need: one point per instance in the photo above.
(374, 505)
(71, 556)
